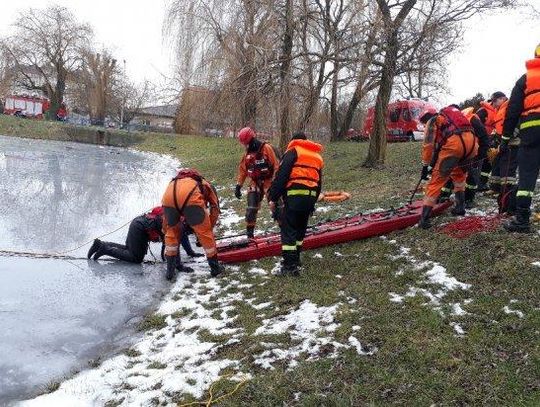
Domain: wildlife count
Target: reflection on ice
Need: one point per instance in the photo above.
(56, 315)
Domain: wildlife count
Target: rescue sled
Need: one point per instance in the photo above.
(342, 230)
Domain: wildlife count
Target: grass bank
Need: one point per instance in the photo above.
(440, 320)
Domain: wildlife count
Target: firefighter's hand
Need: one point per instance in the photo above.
(272, 206)
(238, 191)
(426, 170)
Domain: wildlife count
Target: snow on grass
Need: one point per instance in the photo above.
(508, 310)
(536, 264)
(174, 359)
(457, 310)
(355, 343)
(310, 328)
(434, 274)
(457, 327)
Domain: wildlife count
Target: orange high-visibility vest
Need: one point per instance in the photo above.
(531, 103)
(307, 168)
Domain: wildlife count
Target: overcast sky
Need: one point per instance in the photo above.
(495, 47)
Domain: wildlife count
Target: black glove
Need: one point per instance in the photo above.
(171, 266)
(426, 170)
(238, 192)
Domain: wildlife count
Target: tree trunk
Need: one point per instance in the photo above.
(334, 119)
(285, 98)
(377, 144)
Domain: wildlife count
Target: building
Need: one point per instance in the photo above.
(159, 118)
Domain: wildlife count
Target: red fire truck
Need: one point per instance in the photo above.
(26, 106)
(402, 120)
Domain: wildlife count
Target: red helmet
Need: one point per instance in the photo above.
(427, 114)
(246, 135)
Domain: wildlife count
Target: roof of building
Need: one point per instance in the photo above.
(160, 111)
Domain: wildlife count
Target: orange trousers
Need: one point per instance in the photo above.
(195, 212)
(451, 164)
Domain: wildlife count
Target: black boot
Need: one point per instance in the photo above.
(215, 268)
(298, 256)
(425, 223)
(250, 232)
(520, 223)
(117, 251)
(94, 248)
(459, 207)
(171, 267)
(180, 267)
(289, 266)
(469, 198)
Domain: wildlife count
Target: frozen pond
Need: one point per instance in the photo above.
(57, 315)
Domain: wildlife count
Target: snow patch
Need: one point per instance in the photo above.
(508, 310)
(308, 327)
(459, 330)
(355, 343)
(172, 359)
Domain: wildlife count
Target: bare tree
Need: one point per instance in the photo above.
(98, 74)
(131, 98)
(407, 25)
(45, 50)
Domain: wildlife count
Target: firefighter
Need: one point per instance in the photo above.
(449, 147)
(142, 230)
(506, 166)
(473, 176)
(523, 112)
(487, 115)
(190, 196)
(298, 183)
(259, 163)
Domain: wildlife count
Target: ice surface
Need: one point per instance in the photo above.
(56, 315)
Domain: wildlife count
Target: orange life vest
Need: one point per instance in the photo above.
(490, 120)
(499, 118)
(531, 103)
(307, 168)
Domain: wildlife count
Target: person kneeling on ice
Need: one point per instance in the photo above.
(142, 230)
(298, 182)
(449, 146)
(190, 196)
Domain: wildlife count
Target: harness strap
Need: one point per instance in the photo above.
(181, 210)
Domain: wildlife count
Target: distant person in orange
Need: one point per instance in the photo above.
(449, 147)
(259, 163)
(487, 113)
(190, 196)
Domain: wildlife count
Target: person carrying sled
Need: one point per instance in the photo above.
(298, 182)
(142, 230)
(449, 147)
(190, 196)
(523, 112)
(259, 163)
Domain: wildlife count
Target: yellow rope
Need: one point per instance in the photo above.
(91, 240)
(211, 400)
